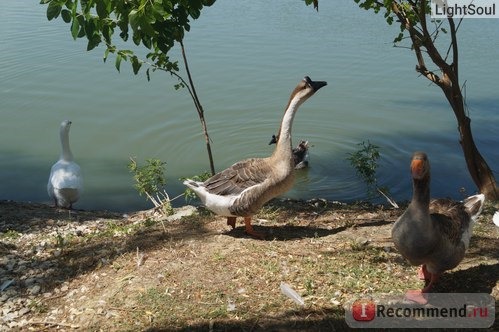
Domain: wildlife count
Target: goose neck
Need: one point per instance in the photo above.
(421, 193)
(66, 150)
(284, 143)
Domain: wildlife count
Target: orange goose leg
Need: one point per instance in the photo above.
(418, 296)
(423, 273)
(249, 229)
(231, 221)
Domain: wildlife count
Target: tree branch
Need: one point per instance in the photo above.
(455, 54)
(417, 39)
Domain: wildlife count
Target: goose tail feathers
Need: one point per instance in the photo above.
(192, 184)
(474, 205)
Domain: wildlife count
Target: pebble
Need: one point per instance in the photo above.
(34, 290)
(31, 263)
(29, 281)
(23, 311)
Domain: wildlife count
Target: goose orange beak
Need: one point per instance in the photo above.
(417, 168)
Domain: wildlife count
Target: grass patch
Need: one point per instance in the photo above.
(10, 235)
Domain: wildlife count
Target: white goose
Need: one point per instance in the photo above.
(243, 188)
(65, 181)
(433, 233)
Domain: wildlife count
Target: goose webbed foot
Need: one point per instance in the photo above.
(420, 296)
(417, 296)
(249, 229)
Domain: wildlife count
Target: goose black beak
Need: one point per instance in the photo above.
(273, 140)
(316, 85)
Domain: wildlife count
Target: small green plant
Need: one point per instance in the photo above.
(150, 181)
(37, 307)
(365, 162)
(310, 286)
(60, 241)
(189, 193)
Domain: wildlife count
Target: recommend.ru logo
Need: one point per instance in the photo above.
(443, 310)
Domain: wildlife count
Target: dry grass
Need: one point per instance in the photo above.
(131, 275)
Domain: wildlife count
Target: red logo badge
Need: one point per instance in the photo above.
(363, 310)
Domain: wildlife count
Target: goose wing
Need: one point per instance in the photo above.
(239, 177)
(450, 218)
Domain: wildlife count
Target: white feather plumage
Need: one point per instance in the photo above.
(65, 181)
(495, 219)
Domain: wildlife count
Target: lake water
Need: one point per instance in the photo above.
(246, 57)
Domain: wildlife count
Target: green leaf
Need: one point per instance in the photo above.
(107, 32)
(117, 63)
(133, 18)
(89, 28)
(53, 10)
(69, 4)
(102, 9)
(136, 64)
(66, 15)
(75, 28)
(136, 37)
(93, 42)
(195, 13)
(81, 33)
(147, 42)
(106, 53)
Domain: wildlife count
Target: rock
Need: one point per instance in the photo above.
(34, 290)
(10, 316)
(10, 265)
(29, 281)
(362, 241)
(183, 211)
(24, 311)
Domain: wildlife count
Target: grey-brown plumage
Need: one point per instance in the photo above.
(434, 233)
(243, 188)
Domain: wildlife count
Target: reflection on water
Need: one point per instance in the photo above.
(245, 62)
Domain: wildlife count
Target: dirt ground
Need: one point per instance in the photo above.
(104, 271)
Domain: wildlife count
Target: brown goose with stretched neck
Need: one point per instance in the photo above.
(433, 233)
(243, 188)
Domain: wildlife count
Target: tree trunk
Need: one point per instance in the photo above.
(478, 168)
